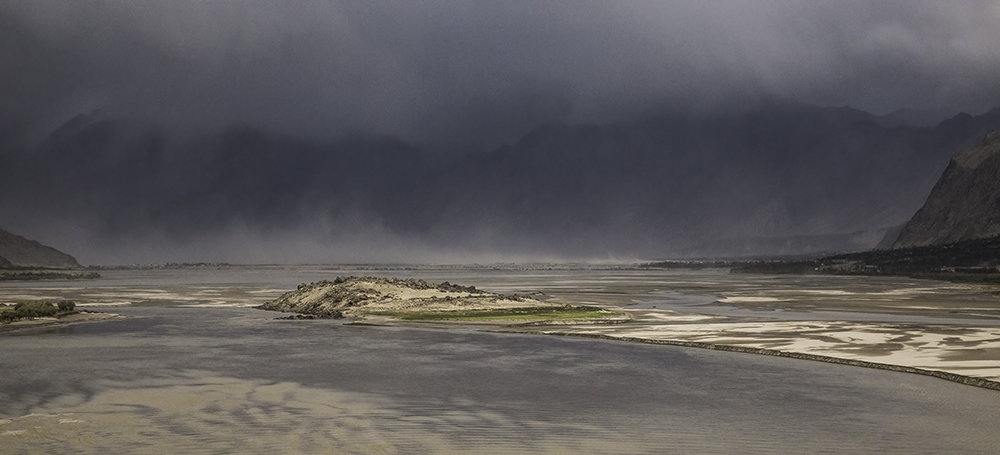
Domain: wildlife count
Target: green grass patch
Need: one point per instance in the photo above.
(517, 314)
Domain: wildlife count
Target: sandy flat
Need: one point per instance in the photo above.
(71, 319)
(971, 351)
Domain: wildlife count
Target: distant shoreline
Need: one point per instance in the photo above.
(46, 274)
(80, 317)
(967, 261)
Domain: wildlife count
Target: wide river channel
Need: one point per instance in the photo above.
(192, 369)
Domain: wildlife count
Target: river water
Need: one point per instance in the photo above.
(193, 370)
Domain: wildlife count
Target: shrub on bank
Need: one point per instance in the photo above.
(36, 309)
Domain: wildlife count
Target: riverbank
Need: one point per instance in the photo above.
(236, 380)
(965, 355)
(953, 377)
(46, 274)
(968, 261)
(78, 318)
(927, 325)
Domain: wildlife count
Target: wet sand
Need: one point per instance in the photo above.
(79, 318)
(920, 324)
(963, 350)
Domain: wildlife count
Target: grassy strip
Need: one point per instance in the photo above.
(517, 314)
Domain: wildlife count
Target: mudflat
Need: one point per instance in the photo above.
(83, 316)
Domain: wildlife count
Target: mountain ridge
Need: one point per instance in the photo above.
(19, 252)
(791, 178)
(965, 202)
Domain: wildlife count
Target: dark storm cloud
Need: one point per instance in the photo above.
(312, 130)
(462, 73)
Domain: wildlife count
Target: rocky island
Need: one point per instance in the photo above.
(418, 300)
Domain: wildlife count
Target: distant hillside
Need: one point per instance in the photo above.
(965, 203)
(777, 180)
(976, 260)
(17, 251)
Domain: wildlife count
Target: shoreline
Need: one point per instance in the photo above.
(78, 318)
(499, 327)
(953, 377)
(47, 275)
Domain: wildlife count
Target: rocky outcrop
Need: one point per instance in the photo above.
(357, 296)
(965, 203)
(18, 252)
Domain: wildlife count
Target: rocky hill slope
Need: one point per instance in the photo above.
(965, 203)
(19, 252)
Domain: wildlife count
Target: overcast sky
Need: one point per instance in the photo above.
(448, 77)
(472, 75)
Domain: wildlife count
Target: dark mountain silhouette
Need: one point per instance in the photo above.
(17, 251)
(965, 203)
(781, 179)
(912, 117)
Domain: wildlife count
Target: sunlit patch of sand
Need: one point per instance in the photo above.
(221, 304)
(199, 296)
(79, 317)
(826, 292)
(740, 299)
(672, 316)
(267, 291)
(973, 351)
(917, 291)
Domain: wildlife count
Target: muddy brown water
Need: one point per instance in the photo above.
(174, 378)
